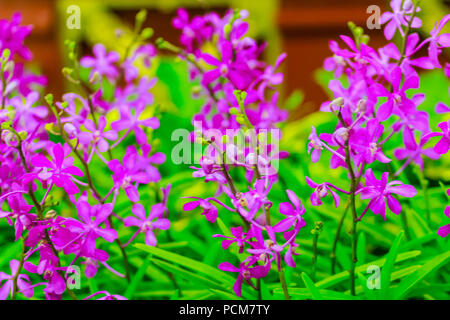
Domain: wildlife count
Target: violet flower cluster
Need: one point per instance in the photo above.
(240, 96)
(376, 106)
(52, 153)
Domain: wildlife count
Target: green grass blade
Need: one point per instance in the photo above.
(311, 287)
(408, 283)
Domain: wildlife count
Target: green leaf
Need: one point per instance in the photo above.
(311, 287)
(137, 279)
(205, 269)
(389, 264)
(361, 248)
(408, 283)
(339, 277)
(190, 276)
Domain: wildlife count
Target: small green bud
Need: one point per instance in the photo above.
(72, 55)
(6, 54)
(227, 29)
(359, 31)
(318, 226)
(147, 33)
(49, 98)
(6, 125)
(23, 135)
(141, 16)
(365, 39)
(64, 104)
(240, 119)
(234, 111)
(351, 25)
(67, 71)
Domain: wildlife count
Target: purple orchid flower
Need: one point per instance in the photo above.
(398, 18)
(124, 175)
(363, 142)
(398, 97)
(239, 237)
(321, 191)
(380, 191)
(23, 282)
(209, 211)
(97, 136)
(91, 217)
(59, 172)
(413, 151)
(293, 212)
(245, 273)
(102, 63)
(315, 144)
(146, 224)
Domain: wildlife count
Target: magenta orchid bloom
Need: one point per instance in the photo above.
(380, 191)
(321, 191)
(88, 227)
(23, 282)
(238, 236)
(245, 273)
(315, 144)
(398, 98)
(59, 171)
(399, 18)
(364, 143)
(209, 211)
(155, 220)
(414, 151)
(293, 212)
(102, 63)
(124, 175)
(97, 136)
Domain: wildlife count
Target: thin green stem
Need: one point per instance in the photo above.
(283, 284)
(16, 275)
(337, 236)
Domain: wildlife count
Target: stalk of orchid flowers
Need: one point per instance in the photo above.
(233, 83)
(40, 217)
(58, 113)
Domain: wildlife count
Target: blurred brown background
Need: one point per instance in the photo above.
(304, 26)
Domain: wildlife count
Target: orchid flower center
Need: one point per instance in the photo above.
(397, 99)
(321, 191)
(373, 148)
(126, 182)
(147, 226)
(224, 69)
(339, 60)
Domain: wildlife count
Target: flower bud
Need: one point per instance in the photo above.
(407, 5)
(50, 214)
(361, 107)
(70, 130)
(141, 16)
(23, 135)
(147, 33)
(234, 111)
(49, 99)
(6, 54)
(338, 102)
(9, 138)
(341, 135)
